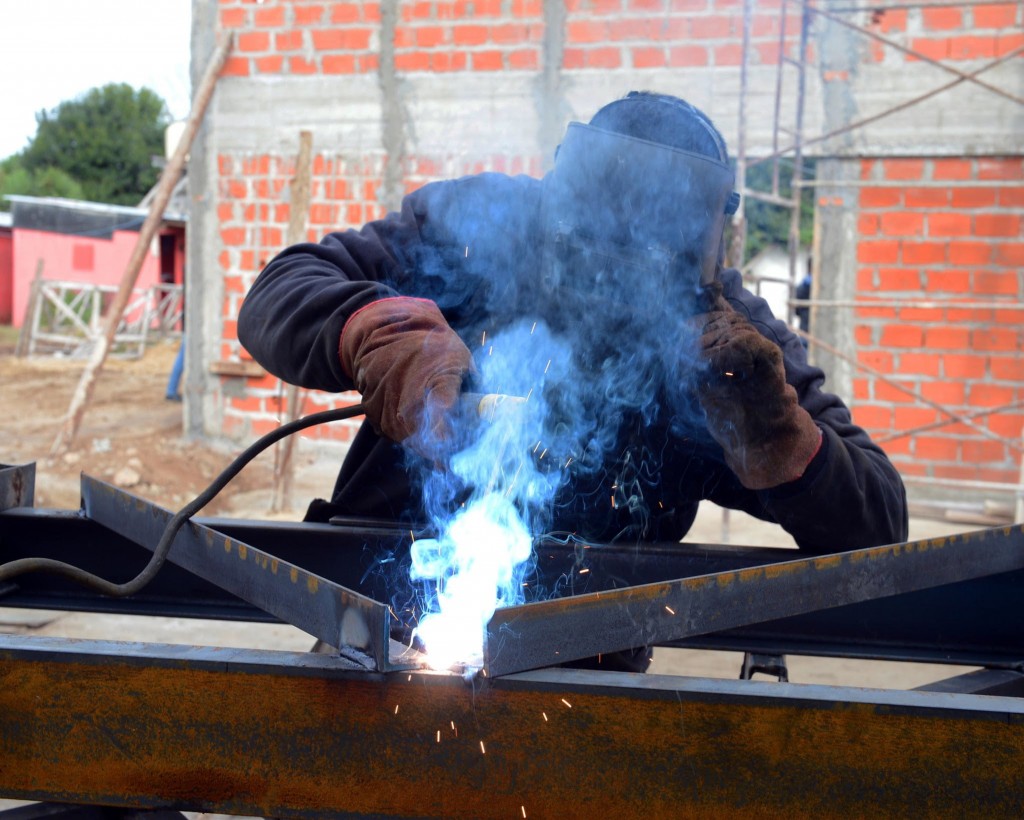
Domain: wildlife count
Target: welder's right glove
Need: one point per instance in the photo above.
(408, 364)
(752, 412)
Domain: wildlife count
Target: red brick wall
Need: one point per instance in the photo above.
(949, 229)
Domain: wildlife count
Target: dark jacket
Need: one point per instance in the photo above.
(474, 247)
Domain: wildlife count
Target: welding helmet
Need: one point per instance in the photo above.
(629, 218)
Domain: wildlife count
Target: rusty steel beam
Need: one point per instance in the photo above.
(556, 631)
(280, 734)
(326, 610)
(17, 485)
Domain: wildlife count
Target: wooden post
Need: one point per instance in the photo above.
(298, 212)
(25, 332)
(168, 179)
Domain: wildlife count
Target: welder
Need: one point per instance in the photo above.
(620, 249)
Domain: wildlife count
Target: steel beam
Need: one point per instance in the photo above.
(278, 734)
(564, 629)
(326, 610)
(17, 485)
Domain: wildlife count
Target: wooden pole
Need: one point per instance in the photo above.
(298, 213)
(168, 179)
(25, 333)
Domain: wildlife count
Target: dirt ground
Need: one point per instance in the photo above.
(133, 436)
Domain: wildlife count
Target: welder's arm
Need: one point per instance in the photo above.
(849, 495)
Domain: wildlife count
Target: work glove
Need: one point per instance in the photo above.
(408, 364)
(768, 438)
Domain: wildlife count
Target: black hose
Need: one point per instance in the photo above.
(79, 575)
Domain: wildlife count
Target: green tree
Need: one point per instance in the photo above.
(104, 140)
(15, 178)
(768, 224)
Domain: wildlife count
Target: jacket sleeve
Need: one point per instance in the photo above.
(850, 496)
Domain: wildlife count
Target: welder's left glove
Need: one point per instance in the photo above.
(768, 438)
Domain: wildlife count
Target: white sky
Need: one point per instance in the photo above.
(55, 50)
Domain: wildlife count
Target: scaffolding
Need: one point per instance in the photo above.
(793, 152)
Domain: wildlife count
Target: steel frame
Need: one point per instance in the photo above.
(148, 726)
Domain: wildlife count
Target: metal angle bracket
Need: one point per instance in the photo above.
(557, 631)
(326, 610)
(17, 485)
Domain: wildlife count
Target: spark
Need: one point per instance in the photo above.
(542, 454)
(727, 373)
(490, 350)
(438, 735)
(529, 394)
(467, 251)
(547, 366)
(584, 571)
(661, 506)
(396, 708)
(483, 339)
(545, 715)
(393, 615)
(525, 584)
(412, 535)
(453, 727)
(567, 703)
(483, 751)
(523, 810)
(567, 462)
(536, 446)
(670, 610)
(409, 678)
(533, 328)
(613, 502)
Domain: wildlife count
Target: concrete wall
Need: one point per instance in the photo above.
(400, 92)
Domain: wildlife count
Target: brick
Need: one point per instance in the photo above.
(269, 17)
(997, 225)
(867, 169)
(1001, 15)
(586, 31)
(649, 58)
(963, 366)
(996, 339)
(288, 40)
(972, 48)
(486, 60)
(908, 468)
(235, 67)
(973, 197)
(989, 395)
(889, 19)
(684, 56)
(1004, 168)
(469, 35)
(1007, 368)
(271, 237)
(716, 27)
(987, 283)
(916, 314)
(524, 59)
(899, 223)
(412, 61)
(369, 63)
(867, 224)
(300, 65)
(926, 197)
(667, 28)
(603, 58)
(874, 313)
(880, 360)
(942, 19)
(731, 54)
(342, 13)
(1010, 254)
(689, 5)
(866, 279)
(233, 18)
(872, 416)
(1009, 317)
(880, 198)
(861, 390)
(864, 335)
(232, 236)
(970, 253)
(895, 335)
(951, 169)
(347, 39)
(958, 315)
(1005, 43)
(894, 392)
(250, 41)
(899, 279)
(947, 281)
(909, 417)
(307, 14)
(530, 8)
(511, 34)
(431, 36)
(923, 253)
(225, 212)
(1006, 425)
(903, 168)
(878, 251)
(936, 448)
(271, 64)
(949, 224)
(629, 29)
(946, 338)
(944, 393)
(935, 48)
(1011, 197)
(339, 64)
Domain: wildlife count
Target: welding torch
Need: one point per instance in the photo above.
(481, 405)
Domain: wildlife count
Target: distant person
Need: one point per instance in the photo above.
(172, 392)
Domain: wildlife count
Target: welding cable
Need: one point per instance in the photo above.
(21, 566)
